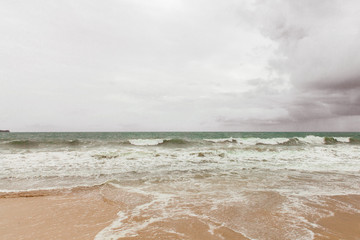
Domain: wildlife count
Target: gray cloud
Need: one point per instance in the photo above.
(179, 65)
(319, 51)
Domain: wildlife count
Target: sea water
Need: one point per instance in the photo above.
(223, 179)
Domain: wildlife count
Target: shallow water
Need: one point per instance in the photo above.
(259, 185)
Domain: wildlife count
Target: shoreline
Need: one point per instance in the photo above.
(83, 212)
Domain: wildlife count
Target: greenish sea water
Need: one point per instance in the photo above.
(195, 175)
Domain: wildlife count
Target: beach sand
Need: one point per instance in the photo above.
(81, 213)
(345, 222)
(75, 214)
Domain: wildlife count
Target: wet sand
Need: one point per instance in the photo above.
(76, 214)
(83, 212)
(345, 222)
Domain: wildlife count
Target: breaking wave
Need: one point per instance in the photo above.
(179, 142)
(354, 140)
(221, 140)
(22, 143)
(38, 143)
(176, 141)
(330, 140)
(162, 142)
(145, 142)
(292, 142)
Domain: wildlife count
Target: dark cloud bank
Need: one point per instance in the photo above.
(180, 65)
(319, 53)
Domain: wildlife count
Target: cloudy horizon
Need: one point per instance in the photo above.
(132, 65)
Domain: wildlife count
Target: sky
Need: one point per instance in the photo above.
(180, 65)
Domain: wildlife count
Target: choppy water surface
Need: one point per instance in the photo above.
(239, 181)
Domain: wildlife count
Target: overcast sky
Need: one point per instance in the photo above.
(180, 65)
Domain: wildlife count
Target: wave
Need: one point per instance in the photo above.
(292, 142)
(38, 143)
(221, 140)
(298, 141)
(73, 142)
(312, 140)
(354, 140)
(175, 141)
(53, 191)
(330, 140)
(178, 142)
(157, 142)
(261, 141)
(295, 141)
(145, 142)
(22, 143)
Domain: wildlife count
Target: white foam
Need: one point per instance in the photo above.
(342, 139)
(268, 141)
(220, 140)
(146, 142)
(314, 140)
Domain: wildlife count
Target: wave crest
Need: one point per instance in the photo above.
(157, 142)
(291, 142)
(330, 140)
(221, 140)
(175, 141)
(23, 143)
(33, 143)
(145, 142)
(354, 140)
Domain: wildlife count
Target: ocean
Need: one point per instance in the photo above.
(262, 185)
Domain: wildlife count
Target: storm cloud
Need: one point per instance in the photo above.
(319, 51)
(180, 65)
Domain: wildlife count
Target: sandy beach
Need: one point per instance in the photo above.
(81, 213)
(76, 214)
(344, 224)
